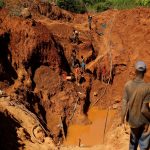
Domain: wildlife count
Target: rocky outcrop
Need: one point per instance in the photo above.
(27, 42)
(51, 11)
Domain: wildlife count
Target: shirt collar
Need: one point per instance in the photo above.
(138, 80)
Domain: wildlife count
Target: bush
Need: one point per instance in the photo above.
(99, 6)
(143, 2)
(123, 4)
(2, 4)
(103, 6)
(72, 5)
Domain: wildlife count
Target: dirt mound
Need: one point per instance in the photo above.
(24, 126)
(37, 8)
(27, 42)
(52, 11)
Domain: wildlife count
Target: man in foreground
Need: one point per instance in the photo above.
(136, 110)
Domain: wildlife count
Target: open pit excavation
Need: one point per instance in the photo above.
(61, 84)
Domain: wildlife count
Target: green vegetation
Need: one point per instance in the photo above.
(2, 4)
(143, 2)
(98, 5)
(81, 6)
(125, 4)
(72, 5)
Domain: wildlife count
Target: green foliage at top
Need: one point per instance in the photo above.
(81, 6)
(2, 4)
(143, 2)
(72, 5)
(123, 4)
(98, 5)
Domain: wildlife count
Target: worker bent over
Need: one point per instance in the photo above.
(136, 109)
(75, 37)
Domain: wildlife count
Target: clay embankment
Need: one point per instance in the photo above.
(38, 50)
(32, 62)
(125, 37)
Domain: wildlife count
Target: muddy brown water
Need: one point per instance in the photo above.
(93, 133)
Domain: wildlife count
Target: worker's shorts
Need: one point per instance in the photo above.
(139, 136)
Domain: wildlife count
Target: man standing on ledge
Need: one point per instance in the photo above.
(90, 22)
(136, 109)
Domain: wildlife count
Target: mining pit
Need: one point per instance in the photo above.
(42, 106)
